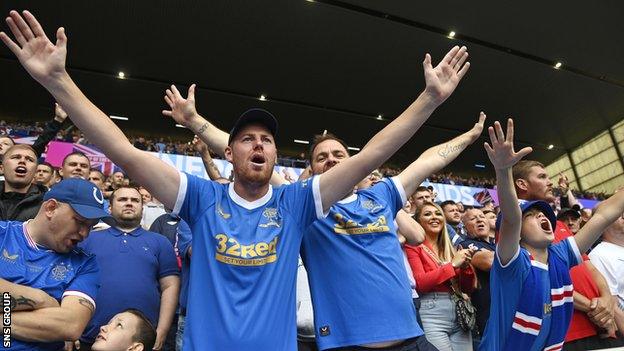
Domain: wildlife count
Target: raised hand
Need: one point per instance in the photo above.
(182, 110)
(43, 60)
(564, 183)
(477, 129)
(442, 80)
(199, 145)
(501, 153)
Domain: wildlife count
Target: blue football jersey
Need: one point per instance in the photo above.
(26, 263)
(242, 287)
(360, 290)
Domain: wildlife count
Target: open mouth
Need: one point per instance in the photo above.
(100, 337)
(545, 224)
(481, 226)
(258, 160)
(21, 170)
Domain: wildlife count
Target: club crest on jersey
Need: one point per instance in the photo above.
(347, 226)
(371, 206)
(271, 214)
(221, 213)
(8, 257)
(230, 251)
(59, 272)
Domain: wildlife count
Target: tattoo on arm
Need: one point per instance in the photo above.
(203, 128)
(86, 303)
(449, 149)
(214, 167)
(21, 301)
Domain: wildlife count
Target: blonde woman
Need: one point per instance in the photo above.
(437, 265)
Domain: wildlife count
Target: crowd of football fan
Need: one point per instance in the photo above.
(103, 262)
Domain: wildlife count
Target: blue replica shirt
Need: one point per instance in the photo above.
(506, 287)
(242, 289)
(360, 290)
(131, 264)
(59, 275)
(184, 240)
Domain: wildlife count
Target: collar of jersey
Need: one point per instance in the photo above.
(250, 205)
(119, 232)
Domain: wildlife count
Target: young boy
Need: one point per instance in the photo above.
(531, 289)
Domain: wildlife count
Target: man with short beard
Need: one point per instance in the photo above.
(453, 221)
(44, 174)
(118, 179)
(76, 165)
(481, 240)
(593, 303)
(150, 272)
(20, 199)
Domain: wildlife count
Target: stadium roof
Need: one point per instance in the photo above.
(337, 65)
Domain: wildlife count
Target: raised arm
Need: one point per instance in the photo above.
(438, 157)
(503, 157)
(411, 230)
(606, 213)
(183, 111)
(66, 322)
(204, 153)
(50, 130)
(45, 62)
(441, 81)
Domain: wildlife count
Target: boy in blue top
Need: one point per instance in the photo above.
(531, 302)
(53, 284)
(247, 234)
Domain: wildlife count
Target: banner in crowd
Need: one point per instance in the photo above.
(193, 165)
(190, 164)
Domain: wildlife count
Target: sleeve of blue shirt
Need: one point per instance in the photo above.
(185, 239)
(195, 196)
(392, 190)
(167, 263)
(568, 251)
(86, 282)
(4, 227)
(303, 201)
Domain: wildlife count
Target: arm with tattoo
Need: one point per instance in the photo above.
(437, 157)
(24, 298)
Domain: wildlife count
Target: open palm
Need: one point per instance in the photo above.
(501, 153)
(182, 110)
(442, 80)
(42, 59)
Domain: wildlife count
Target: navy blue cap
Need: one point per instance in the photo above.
(254, 115)
(83, 196)
(543, 206)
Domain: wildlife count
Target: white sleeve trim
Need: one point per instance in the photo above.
(575, 249)
(318, 202)
(79, 294)
(400, 188)
(181, 193)
(515, 256)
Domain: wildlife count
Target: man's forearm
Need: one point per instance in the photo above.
(44, 325)
(168, 304)
(581, 302)
(215, 138)
(24, 298)
(211, 167)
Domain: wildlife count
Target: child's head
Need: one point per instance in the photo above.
(538, 224)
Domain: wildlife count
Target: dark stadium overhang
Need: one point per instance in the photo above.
(336, 65)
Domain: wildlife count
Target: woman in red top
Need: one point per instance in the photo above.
(436, 265)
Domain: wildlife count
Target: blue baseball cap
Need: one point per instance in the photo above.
(543, 206)
(254, 115)
(83, 196)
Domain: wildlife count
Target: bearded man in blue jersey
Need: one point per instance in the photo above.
(52, 283)
(247, 233)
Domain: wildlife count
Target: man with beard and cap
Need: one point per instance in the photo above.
(52, 283)
(150, 270)
(20, 199)
(593, 303)
(245, 262)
